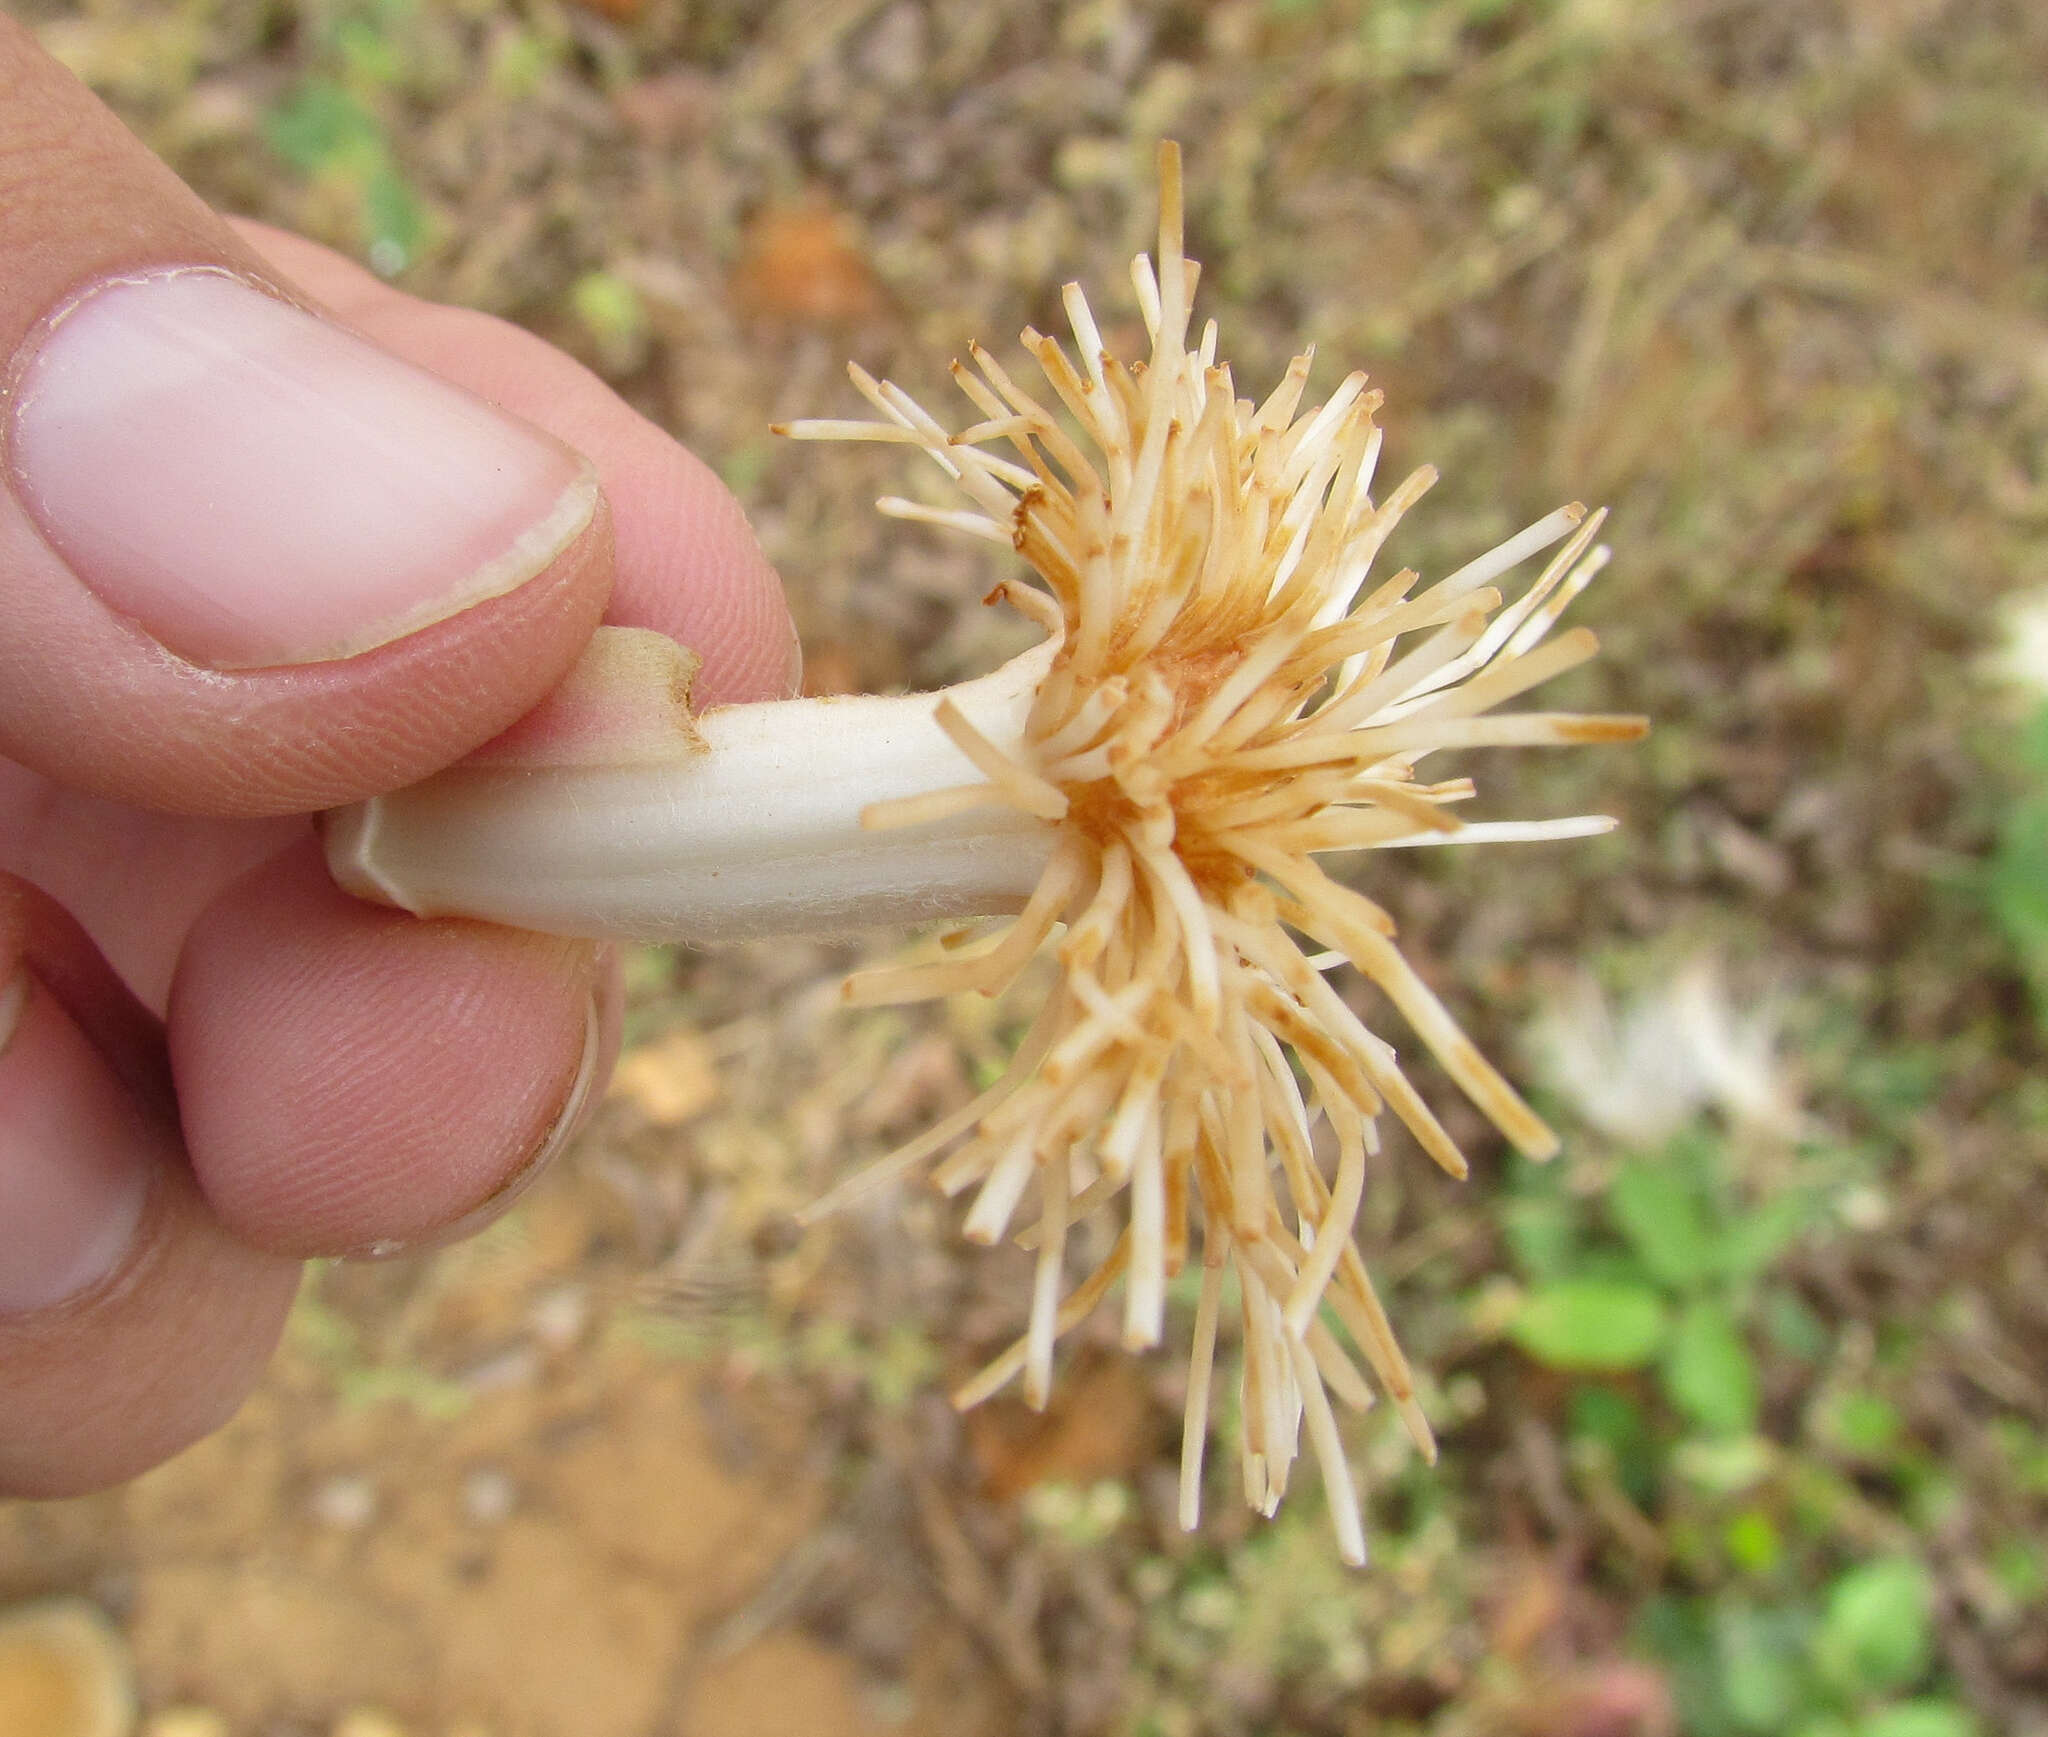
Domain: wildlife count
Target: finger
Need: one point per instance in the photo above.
(131, 1323)
(253, 563)
(84, 851)
(353, 1079)
(687, 562)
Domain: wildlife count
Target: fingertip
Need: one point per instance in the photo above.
(79, 1157)
(131, 1323)
(688, 562)
(690, 566)
(354, 1079)
(89, 702)
(256, 487)
(138, 1367)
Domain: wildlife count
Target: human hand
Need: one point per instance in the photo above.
(256, 562)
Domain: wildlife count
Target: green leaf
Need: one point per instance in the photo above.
(520, 60)
(367, 52)
(1864, 1426)
(1896, 1082)
(1724, 1465)
(320, 126)
(1590, 1324)
(2025, 1451)
(1759, 1653)
(1616, 1423)
(1661, 1215)
(1755, 1239)
(1542, 1232)
(1709, 1374)
(2017, 885)
(1875, 1636)
(2032, 740)
(609, 307)
(1753, 1542)
(1678, 1634)
(1794, 1328)
(2022, 1570)
(392, 220)
(1918, 1719)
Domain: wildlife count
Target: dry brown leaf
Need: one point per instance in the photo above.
(800, 263)
(670, 1080)
(1099, 1424)
(1531, 1604)
(64, 1672)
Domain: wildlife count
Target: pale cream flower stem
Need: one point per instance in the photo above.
(757, 830)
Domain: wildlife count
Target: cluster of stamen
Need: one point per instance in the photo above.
(1228, 699)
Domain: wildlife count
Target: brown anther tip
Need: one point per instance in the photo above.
(1587, 732)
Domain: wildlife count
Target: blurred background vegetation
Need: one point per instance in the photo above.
(1744, 1401)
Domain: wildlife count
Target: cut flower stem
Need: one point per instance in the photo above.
(1224, 692)
(743, 822)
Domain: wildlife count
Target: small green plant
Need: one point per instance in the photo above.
(329, 127)
(892, 1366)
(1658, 1294)
(361, 1376)
(2017, 882)
(611, 311)
(1666, 1275)
(1847, 1665)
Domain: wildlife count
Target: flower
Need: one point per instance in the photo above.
(1229, 696)
(1677, 1048)
(1224, 694)
(2021, 659)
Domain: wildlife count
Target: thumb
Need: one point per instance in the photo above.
(251, 562)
